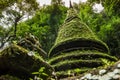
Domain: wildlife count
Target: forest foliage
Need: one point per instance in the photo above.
(47, 19)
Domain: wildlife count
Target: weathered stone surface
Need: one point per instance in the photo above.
(31, 43)
(108, 73)
(17, 61)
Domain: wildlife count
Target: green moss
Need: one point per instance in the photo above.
(16, 59)
(72, 64)
(71, 72)
(31, 44)
(71, 13)
(15, 47)
(74, 29)
(78, 54)
(77, 44)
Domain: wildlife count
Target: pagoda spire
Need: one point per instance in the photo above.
(71, 13)
(70, 4)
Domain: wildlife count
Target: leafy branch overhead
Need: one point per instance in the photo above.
(17, 11)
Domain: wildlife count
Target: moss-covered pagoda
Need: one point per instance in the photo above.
(77, 49)
(19, 61)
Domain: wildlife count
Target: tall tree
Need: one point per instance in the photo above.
(13, 14)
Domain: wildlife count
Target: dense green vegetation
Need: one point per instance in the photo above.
(47, 19)
(46, 24)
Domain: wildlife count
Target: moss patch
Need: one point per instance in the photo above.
(81, 55)
(72, 64)
(16, 59)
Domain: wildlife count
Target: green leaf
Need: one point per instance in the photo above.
(35, 73)
(44, 74)
(41, 69)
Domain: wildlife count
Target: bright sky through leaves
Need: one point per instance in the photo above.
(47, 2)
(97, 8)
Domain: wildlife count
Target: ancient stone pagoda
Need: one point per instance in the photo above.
(77, 49)
(21, 60)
